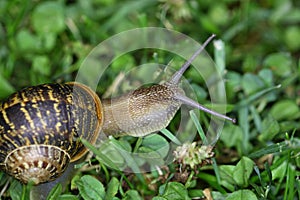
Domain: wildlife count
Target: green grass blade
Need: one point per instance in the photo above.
(199, 127)
(169, 135)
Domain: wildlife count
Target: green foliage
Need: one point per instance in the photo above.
(90, 188)
(55, 192)
(242, 194)
(173, 190)
(256, 158)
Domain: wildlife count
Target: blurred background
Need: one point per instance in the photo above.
(46, 41)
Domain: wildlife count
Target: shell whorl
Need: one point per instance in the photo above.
(52, 117)
(37, 163)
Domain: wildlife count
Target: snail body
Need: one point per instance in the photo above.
(41, 126)
(146, 109)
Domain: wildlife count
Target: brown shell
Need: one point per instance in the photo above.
(52, 117)
(37, 163)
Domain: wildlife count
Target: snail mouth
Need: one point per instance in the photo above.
(37, 163)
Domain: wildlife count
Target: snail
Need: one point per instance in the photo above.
(41, 126)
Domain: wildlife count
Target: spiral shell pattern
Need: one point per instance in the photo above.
(41, 127)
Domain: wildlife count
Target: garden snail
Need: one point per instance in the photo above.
(41, 126)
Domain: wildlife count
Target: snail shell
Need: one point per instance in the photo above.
(41, 127)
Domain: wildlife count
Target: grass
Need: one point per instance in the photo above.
(256, 158)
